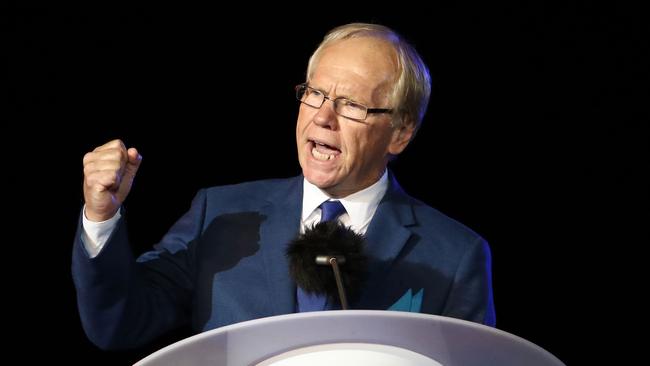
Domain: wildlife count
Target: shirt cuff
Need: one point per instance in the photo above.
(96, 234)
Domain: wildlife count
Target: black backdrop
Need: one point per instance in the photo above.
(535, 138)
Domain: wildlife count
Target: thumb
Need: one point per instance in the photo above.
(133, 163)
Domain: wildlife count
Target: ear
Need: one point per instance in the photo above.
(401, 138)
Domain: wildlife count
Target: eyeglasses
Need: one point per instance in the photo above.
(342, 106)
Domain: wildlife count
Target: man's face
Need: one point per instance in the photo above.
(339, 155)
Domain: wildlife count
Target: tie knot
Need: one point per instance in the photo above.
(331, 210)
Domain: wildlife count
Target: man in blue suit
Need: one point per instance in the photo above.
(225, 260)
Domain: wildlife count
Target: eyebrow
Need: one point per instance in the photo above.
(344, 96)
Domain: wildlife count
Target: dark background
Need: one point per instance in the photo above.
(536, 137)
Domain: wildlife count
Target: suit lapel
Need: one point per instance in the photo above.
(388, 231)
(281, 226)
(386, 236)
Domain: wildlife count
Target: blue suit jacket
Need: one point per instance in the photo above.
(224, 262)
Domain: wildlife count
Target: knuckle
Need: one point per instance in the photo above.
(88, 157)
(88, 169)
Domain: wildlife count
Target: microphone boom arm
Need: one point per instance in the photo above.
(334, 262)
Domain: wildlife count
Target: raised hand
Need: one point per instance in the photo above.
(109, 171)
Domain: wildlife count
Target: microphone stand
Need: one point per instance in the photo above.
(334, 262)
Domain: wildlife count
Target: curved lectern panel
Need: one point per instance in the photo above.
(358, 337)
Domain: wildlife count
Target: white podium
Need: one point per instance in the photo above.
(353, 337)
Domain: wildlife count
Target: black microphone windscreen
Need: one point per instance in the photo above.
(327, 238)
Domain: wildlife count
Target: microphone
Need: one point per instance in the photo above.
(324, 244)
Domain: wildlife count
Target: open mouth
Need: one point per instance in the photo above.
(322, 151)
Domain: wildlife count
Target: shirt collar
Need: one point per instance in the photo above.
(360, 206)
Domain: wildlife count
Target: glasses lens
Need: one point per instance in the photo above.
(350, 109)
(312, 97)
(344, 107)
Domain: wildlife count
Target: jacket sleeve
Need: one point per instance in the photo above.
(125, 303)
(471, 296)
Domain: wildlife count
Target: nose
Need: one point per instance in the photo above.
(326, 116)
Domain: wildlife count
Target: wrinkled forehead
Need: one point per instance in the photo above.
(366, 65)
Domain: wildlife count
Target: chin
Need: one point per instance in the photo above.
(321, 180)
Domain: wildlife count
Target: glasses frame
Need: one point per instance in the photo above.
(301, 89)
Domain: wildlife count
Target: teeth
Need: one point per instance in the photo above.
(320, 156)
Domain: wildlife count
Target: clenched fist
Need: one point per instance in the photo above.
(109, 171)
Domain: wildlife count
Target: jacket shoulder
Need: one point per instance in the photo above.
(252, 194)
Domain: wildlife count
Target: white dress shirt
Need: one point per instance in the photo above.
(360, 206)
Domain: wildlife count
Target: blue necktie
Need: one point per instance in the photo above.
(330, 210)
